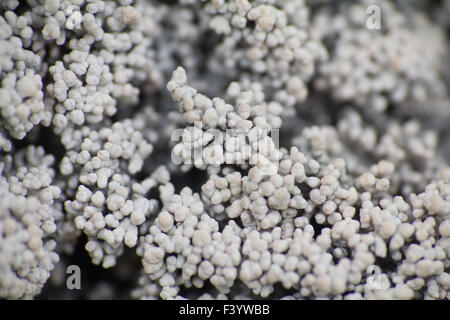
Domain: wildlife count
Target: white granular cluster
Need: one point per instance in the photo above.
(28, 217)
(268, 149)
(360, 223)
(258, 41)
(21, 97)
(108, 204)
(268, 42)
(101, 63)
(400, 64)
(218, 134)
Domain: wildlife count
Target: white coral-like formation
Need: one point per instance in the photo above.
(28, 217)
(230, 149)
(401, 64)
